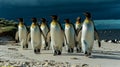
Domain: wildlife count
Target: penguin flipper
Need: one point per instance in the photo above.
(78, 38)
(48, 37)
(64, 37)
(16, 37)
(43, 35)
(97, 37)
(28, 37)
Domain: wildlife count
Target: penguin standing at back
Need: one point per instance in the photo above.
(70, 35)
(87, 35)
(35, 35)
(78, 24)
(57, 36)
(45, 29)
(21, 34)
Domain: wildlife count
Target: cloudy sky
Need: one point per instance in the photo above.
(100, 9)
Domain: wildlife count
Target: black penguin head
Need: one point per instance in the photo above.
(34, 20)
(87, 14)
(67, 21)
(20, 20)
(43, 20)
(78, 19)
(54, 17)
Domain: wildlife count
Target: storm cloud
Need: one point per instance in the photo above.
(100, 9)
(51, 2)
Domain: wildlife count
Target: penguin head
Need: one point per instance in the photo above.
(67, 22)
(21, 23)
(54, 20)
(87, 15)
(34, 22)
(78, 20)
(43, 20)
(54, 17)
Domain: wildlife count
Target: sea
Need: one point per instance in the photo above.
(108, 30)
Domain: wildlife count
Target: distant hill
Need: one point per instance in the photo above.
(7, 27)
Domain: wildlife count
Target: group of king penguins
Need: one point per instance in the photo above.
(80, 36)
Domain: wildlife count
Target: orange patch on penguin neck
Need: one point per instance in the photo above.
(78, 23)
(54, 22)
(87, 20)
(67, 25)
(43, 24)
(33, 25)
(21, 24)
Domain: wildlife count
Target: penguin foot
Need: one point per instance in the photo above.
(63, 44)
(45, 48)
(68, 50)
(38, 50)
(78, 50)
(16, 41)
(86, 53)
(23, 47)
(55, 53)
(72, 50)
(59, 52)
(26, 45)
(48, 48)
(35, 51)
(89, 54)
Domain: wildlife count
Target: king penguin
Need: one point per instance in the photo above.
(45, 29)
(21, 34)
(78, 24)
(70, 35)
(87, 35)
(35, 35)
(57, 36)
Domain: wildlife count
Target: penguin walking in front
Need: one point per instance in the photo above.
(57, 36)
(70, 35)
(87, 35)
(21, 34)
(45, 29)
(35, 36)
(78, 25)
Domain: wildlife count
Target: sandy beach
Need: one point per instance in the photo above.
(11, 54)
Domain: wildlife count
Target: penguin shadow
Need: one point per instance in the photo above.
(72, 54)
(46, 53)
(106, 55)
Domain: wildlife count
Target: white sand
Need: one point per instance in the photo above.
(106, 56)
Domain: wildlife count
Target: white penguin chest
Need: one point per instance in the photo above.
(70, 33)
(77, 26)
(56, 34)
(35, 34)
(44, 29)
(88, 31)
(22, 32)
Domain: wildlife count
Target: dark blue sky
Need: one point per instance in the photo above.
(100, 9)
